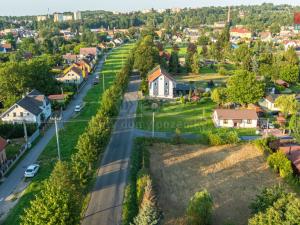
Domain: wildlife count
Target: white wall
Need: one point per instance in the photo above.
(27, 116)
(161, 87)
(230, 123)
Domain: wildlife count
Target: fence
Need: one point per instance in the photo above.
(5, 168)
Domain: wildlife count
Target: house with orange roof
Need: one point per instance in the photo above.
(163, 85)
(240, 33)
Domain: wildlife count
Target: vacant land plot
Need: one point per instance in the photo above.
(232, 174)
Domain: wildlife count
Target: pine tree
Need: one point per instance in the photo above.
(148, 213)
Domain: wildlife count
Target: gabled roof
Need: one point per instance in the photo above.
(236, 114)
(3, 143)
(240, 30)
(272, 97)
(31, 103)
(156, 72)
(76, 70)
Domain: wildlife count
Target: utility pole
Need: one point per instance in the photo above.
(103, 83)
(25, 133)
(153, 123)
(57, 138)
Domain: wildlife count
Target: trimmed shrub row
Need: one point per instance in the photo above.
(139, 200)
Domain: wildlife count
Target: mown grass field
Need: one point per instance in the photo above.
(70, 133)
(189, 118)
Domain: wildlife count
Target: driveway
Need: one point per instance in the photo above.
(17, 175)
(105, 205)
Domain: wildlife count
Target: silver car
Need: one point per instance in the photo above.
(31, 170)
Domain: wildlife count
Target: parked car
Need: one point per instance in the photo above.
(31, 170)
(78, 107)
(96, 81)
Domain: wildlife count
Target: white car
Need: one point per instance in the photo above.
(31, 170)
(78, 108)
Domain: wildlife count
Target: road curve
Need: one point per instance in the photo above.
(105, 205)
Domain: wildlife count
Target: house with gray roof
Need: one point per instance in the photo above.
(32, 108)
(235, 118)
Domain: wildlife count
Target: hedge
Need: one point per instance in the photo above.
(222, 137)
(281, 164)
(11, 131)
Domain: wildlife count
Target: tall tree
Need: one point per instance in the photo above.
(287, 104)
(58, 202)
(244, 88)
(146, 55)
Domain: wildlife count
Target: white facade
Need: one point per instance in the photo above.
(229, 123)
(67, 17)
(269, 105)
(70, 78)
(58, 17)
(18, 114)
(77, 15)
(162, 87)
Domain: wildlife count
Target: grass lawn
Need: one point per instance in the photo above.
(232, 174)
(70, 133)
(189, 118)
(12, 150)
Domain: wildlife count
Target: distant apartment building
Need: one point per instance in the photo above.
(58, 17)
(77, 15)
(67, 17)
(41, 18)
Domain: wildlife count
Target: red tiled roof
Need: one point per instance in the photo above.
(3, 144)
(240, 30)
(156, 72)
(57, 97)
(236, 114)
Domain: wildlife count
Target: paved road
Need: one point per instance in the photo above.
(107, 196)
(17, 175)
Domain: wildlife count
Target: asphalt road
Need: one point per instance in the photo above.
(17, 175)
(105, 205)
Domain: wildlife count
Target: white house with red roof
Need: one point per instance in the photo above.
(161, 83)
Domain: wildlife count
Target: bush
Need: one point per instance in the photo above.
(11, 131)
(266, 199)
(280, 163)
(199, 210)
(222, 137)
(285, 210)
(267, 145)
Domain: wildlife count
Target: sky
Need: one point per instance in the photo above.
(39, 7)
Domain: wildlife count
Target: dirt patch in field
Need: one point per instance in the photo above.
(232, 174)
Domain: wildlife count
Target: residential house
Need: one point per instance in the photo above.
(59, 98)
(3, 144)
(269, 102)
(33, 108)
(163, 85)
(237, 118)
(4, 48)
(70, 58)
(72, 76)
(94, 51)
(85, 64)
(265, 36)
(240, 33)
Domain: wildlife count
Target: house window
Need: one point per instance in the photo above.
(14, 114)
(249, 121)
(225, 121)
(166, 83)
(21, 114)
(27, 114)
